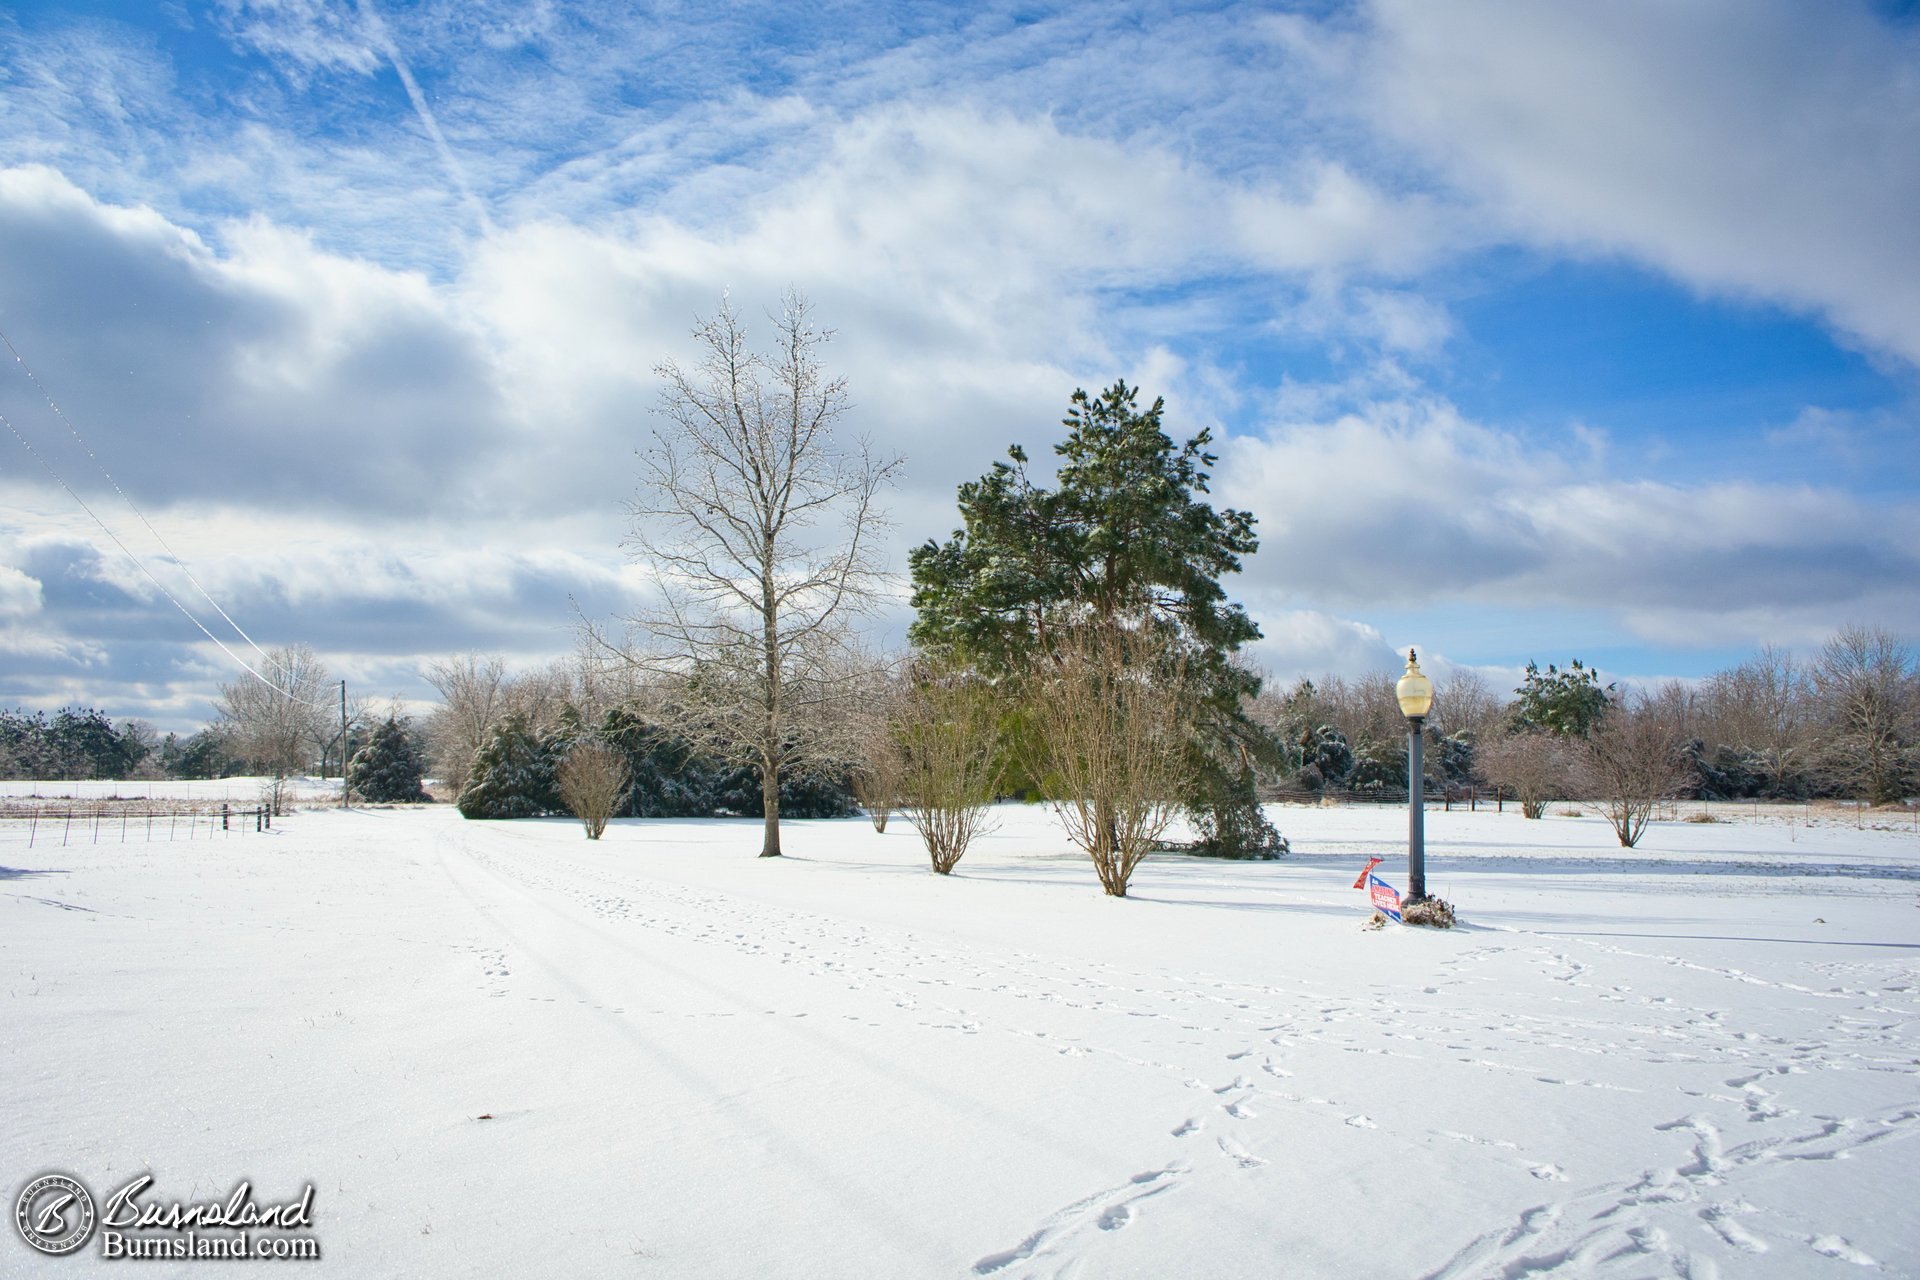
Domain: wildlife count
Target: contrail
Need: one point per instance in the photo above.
(384, 39)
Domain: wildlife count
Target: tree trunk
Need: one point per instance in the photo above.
(770, 802)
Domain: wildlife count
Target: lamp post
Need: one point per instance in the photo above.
(1415, 692)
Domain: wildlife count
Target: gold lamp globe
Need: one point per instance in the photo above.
(1414, 690)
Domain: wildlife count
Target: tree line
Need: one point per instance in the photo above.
(1072, 642)
(1842, 722)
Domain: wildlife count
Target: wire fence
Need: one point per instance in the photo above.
(105, 822)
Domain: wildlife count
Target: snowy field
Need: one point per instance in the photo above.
(496, 1049)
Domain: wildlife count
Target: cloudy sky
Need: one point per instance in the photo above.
(1526, 331)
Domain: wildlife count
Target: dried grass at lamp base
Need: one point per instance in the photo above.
(1434, 913)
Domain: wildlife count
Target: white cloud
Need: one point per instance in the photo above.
(20, 595)
(308, 34)
(1406, 504)
(1308, 643)
(1759, 148)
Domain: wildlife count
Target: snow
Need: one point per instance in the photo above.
(1697, 1058)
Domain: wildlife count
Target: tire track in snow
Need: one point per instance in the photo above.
(569, 939)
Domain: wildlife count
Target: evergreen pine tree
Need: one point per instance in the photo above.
(1566, 704)
(511, 776)
(1126, 539)
(388, 769)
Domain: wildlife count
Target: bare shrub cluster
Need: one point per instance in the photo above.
(591, 780)
(946, 740)
(1110, 719)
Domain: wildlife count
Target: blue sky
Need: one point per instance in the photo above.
(1527, 331)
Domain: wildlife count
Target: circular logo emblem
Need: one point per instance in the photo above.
(55, 1214)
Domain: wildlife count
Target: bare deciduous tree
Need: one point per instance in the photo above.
(1465, 703)
(760, 527)
(1531, 767)
(1632, 761)
(592, 779)
(947, 727)
(877, 777)
(1762, 708)
(1869, 693)
(472, 698)
(1109, 721)
(283, 722)
(541, 695)
(877, 767)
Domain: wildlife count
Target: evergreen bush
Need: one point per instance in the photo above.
(388, 769)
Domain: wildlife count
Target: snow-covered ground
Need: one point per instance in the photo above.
(497, 1049)
(232, 790)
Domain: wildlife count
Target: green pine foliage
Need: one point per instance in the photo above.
(669, 778)
(512, 776)
(1125, 537)
(1566, 704)
(389, 768)
(75, 742)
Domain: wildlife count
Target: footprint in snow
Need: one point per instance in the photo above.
(1838, 1248)
(1187, 1126)
(1239, 1154)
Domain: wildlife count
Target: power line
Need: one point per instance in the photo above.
(141, 565)
(75, 433)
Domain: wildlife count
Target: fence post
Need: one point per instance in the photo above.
(223, 815)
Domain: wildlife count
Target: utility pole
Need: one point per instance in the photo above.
(343, 745)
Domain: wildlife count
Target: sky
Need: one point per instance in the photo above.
(1526, 332)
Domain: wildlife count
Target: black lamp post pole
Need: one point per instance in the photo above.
(1416, 812)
